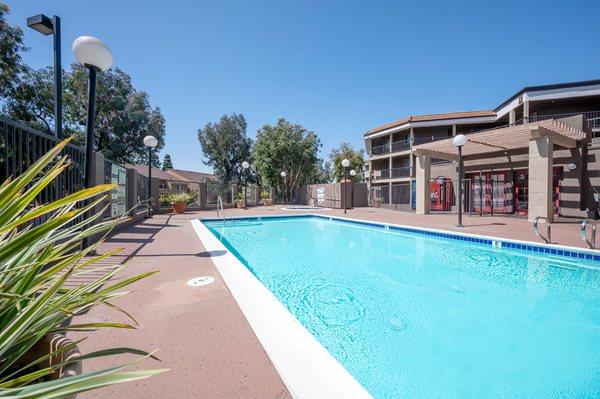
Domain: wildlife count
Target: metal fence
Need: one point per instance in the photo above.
(395, 196)
(21, 146)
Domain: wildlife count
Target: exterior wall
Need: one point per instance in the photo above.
(334, 197)
(577, 187)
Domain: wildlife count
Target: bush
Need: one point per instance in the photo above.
(265, 195)
(164, 201)
(35, 263)
(181, 198)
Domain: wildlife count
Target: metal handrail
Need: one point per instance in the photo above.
(220, 202)
(548, 238)
(591, 243)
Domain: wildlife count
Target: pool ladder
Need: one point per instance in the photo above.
(548, 238)
(591, 243)
(220, 204)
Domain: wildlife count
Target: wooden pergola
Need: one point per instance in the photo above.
(539, 137)
(504, 139)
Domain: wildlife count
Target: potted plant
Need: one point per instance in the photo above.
(179, 201)
(239, 200)
(36, 260)
(266, 198)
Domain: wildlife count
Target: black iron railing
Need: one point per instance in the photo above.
(21, 146)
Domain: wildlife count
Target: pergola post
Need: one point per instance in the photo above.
(423, 176)
(540, 177)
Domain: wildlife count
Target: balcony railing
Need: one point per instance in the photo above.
(394, 173)
(592, 117)
(402, 145)
(396, 146)
(428, 139)
(380, 149)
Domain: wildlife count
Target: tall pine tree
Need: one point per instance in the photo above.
(167, 163)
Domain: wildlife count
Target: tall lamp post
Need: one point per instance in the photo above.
(460, 140)
(352, 174)
(345, 164)
(150, 142)
(95, 56)
(51, 26)
(283, 174)
(245, 166)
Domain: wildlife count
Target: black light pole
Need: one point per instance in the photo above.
(47, 26)
(345, 164)
(149, 181)
(95, 56)
(352, 174)
(245, 166)
(150, 142)
(89, 141)
(283, 174)
(459, 141)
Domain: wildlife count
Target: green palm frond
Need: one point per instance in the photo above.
(35, 263)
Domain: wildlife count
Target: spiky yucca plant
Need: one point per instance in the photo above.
(35, 263)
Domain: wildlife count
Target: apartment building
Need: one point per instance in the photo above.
(391, 150)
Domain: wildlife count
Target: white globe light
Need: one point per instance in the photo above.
(345, 163)
(150, 141)
(352, 172)
(245, 165)
(91, 51)
(283, 174)
(459, 140)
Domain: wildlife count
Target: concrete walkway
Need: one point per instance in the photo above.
(201, 334)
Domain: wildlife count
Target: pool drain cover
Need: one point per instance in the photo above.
(200, 281)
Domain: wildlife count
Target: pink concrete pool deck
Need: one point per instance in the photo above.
(200, 333)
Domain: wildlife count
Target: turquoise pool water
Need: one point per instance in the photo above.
(417, 316)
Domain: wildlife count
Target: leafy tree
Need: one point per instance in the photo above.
(32, 100)
(286, 147)
(356, 158)
(322, 173)
(124, 115)
(167, 163)
(11, 45)
(225, 146)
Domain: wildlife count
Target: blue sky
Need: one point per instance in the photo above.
(337, 67)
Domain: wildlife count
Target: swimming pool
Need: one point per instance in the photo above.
(414, 315)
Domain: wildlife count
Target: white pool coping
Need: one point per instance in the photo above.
(307, 369)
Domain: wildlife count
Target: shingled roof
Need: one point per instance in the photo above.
(190, 175)
(432, 117)
(157, 173)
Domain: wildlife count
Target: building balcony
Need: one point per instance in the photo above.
(380, 150)
(395, 173)
(399, 146)
(396, 146)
